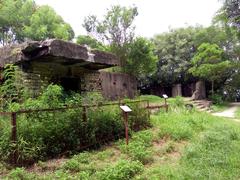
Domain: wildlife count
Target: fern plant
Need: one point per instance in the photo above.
(10, 90)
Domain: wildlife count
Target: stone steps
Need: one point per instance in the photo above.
(202, 105)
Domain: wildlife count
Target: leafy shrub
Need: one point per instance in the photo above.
(137, 149)
(47, 134)
(20, 173)
(123, 170)
(138, 152)
(178, 101)
(138, 118)
(217, 99)
(74, 165)
(61, 174)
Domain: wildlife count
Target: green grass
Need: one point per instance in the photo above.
(157, 100)
(237, 113)
(182, 144)
(220, 107)
(211, 151)
(152, 98)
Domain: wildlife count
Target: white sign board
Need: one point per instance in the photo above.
(165, 96)
(125, 108)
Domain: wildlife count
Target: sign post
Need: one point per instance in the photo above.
(165, 101)
(125, 109)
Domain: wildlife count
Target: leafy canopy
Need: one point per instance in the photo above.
(174, 51)
(208, 63)
(141, 61)
(45, 23)
(91, 42)
(116, 29)
(23, 19)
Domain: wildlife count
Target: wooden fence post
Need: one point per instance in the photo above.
(84, 114)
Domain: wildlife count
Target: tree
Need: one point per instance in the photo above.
(116, 29)
(45, 23)
(174, 50)
(231, 8)
(209, 63)
(141, 60)
(91, 42)
(14, 14)
(21, 19)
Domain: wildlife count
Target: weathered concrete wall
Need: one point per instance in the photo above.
(118, 85)
(92, 82)
(37, 76)
(200, 92)
(177, 90)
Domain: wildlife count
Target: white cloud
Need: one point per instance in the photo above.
(155, 16)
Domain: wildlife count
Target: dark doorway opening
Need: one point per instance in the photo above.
(70, 83)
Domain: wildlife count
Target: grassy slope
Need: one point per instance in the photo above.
(180, 145)
(237, 113)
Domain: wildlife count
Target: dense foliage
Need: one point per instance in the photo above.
(117, 31)
(174, 51)
(231, 8)
(48, 134)
(23, 19)
(209, 63)
(116, 28)
(90, 42)
(183, 144)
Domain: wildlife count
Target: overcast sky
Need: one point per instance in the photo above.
(155, 16)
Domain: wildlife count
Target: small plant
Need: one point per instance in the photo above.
(138, 148)
(104, 155)
(145, 137)
(138, 152)
(178, 101)
(20, 173)
(78, 163)
(123, 170)
(11, 90)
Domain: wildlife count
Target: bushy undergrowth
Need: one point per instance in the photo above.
(138, 148)
(123, 170)
(51, 133)
(217, 99)
(207, 148)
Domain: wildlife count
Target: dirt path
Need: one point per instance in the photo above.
(230, 112)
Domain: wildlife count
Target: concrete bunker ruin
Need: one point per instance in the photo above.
(73, 66)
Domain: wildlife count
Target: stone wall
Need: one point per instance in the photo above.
(118, 85)
(92, 82)
(177, 90)
(37, 76)
(200, 91)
